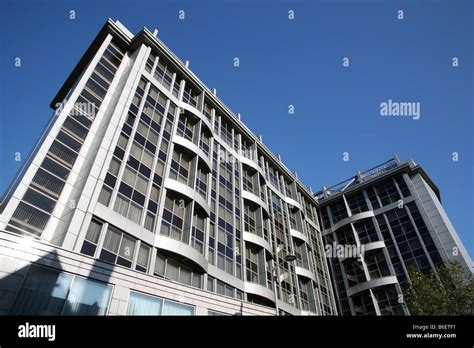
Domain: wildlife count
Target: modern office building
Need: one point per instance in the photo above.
(147, 195)
(393, 214)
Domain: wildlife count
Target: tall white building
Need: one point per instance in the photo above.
(147, 195)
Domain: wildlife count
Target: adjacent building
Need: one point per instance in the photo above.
(393, 215)
(146, 195)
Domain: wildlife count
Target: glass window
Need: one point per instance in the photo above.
(48, 183)
(339, 211)
(150, 62)
(185, 276)
(177, 271)
(105, 195)
(149, 221)
(50, 292)
(93, 232)
(180, 167)
(162, 100)
(73, 127)
(159, 167)
(214, 313)
(210, 283)
(121, 205)
(87, 297)
(357, 203)
(122, 142)
(172, 269)
(114, 166)
(160, 264)
(139, 304)
(92, 237)
(155, 193)
(147, 159)
(229, 291)
(135, 213)
(136, 151)
(197, 280)
(127, 247)
(173, 219)
(122, 255)
(55, 168)
(43, 292)
(112, 240)
(142, 128)
(220, 288)
(174, 308)
(39, 200)
(68, 141)
(153, 137)
(141, 184)
(129, 177)
(142, 260)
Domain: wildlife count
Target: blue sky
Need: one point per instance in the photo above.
(282, 62)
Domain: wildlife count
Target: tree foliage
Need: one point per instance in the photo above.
(449, 293)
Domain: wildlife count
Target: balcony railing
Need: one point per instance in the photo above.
(379, 170)
(367, 175)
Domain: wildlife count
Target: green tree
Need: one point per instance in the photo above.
(451, 293)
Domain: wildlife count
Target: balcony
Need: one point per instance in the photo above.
(301, 271)
(193, 148)
(258, 240)
(257, 200)
(181, 248)
(373, 246)
(187, 191)
(293, 203)
(193, 110)
(299, 235)
(374, 283)
(259, 290)
(252, 164)
(353, 218)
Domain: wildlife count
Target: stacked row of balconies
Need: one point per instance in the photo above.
(195, 137)
(350, 223)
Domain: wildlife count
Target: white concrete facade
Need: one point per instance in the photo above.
(77, 205)
(17, 254)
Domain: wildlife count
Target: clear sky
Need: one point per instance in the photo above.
(282, 62)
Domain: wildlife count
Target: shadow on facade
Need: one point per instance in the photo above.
(43, 288)
(240, 312)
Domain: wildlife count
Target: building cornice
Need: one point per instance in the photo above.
(407, 166)
(121, 38)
